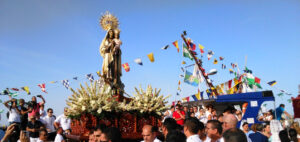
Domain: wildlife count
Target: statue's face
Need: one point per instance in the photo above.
(110, 34)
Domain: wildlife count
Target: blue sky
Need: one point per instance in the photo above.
(43, 41)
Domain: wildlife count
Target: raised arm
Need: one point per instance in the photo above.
(43, 100)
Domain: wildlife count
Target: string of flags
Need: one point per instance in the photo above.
(251, 81)
(189, 78)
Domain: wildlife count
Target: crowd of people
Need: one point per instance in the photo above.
(30, 121)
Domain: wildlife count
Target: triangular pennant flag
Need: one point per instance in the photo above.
(280, 94)
(1, 110)
(191, 44)
(257, 82)
(221, 58)
(126, 67)
(186, 52)
(246, 70)
(198, 95)
(179, 82)
(195, 98)
(186, 99)
(223, 66)
(215, 61)
(151, 57)
(183, 62)
(53, 82)
(229, 83)
(289, 100)
(230, 71)
(219, 90)
(75, 78)
(272, 83)
(6, 91)
(182, 69)
(175, 43)
(177, 94)
(209, 56)
(43, 87)
(165, 47)
(179, 89)
(15, 89)
(98, 73)
(90, 77)
(208, 92)
(66, 83)
(138, 61)
(26, 89)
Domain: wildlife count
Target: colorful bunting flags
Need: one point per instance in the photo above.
(221, 58)
(75, 78)
(66, 83)
(43, 87)
(289, 100)
(186, 52)
(1, 110)
(151, 57)
(53, 82)
(272, 83)
(138, 61)
(90, 77)
(190, 79)
(126, 67)
(175, 43)
(26, 89)
(183, 62)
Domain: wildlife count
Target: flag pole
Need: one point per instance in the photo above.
(199, 63)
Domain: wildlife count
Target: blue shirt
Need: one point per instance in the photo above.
(279, 112)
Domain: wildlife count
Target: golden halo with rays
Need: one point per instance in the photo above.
(109, 21)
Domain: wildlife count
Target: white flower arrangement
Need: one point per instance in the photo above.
(96, 99)
(148, 102)
(91, 99)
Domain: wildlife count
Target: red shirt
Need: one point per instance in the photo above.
(176, 116)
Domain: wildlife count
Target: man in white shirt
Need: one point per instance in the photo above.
(59, 137)
(63, 121)
(49, 123)
(149, 134)
(190, 129)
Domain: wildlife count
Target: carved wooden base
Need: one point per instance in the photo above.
(129, 124)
